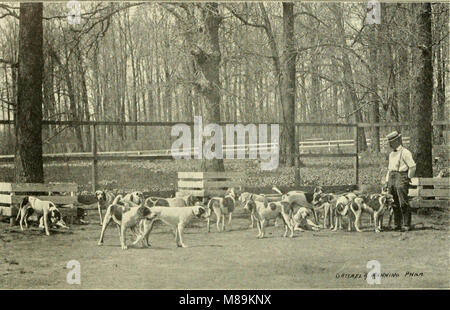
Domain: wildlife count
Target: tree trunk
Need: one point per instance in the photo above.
(288, 84)
(421, 129)
(351, 96)
(374, 104)
(207, 58)
(28, 120)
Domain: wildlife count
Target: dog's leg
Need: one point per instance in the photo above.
(219, 217)
(358, 220)
(380, 222)
(332, 217)
(312, 225)
(316, 219)
(177, 236)
(326, 217)
(263, 222)
(22, 218)
(146, 229)
(100, 213)
(223, 222)
(106, 222)
(288, 225)
(336, 220)
(180, 234)
(123, 241)
(258, 225)
(376, 219)
(46, 222)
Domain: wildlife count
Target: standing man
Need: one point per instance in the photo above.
(400, 171)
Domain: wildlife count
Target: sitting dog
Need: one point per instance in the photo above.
(375, 205)
(177, 218)
(104, 199)
(46, 209)
(302, 199)
(221, 207)
(301, 221)
(126, 217)
(267, 211)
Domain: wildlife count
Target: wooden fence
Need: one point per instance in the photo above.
(95, 156)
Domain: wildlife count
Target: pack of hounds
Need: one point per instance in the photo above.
(298, 211)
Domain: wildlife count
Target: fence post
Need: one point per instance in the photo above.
(356, 163)
(94, 158)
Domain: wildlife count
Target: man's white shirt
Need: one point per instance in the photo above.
(401, 160)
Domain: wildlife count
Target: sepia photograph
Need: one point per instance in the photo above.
(195, 145)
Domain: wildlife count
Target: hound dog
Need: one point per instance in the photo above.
(46, 209)
(136, 197)
(177, 202)
(221, 207)
(375, 205)
(177, 218)
(272, 210)
(104, 199)
(302, 199)
(126, 216)
(245, 196)
(341, 207)
(301, 221)
(326, 203)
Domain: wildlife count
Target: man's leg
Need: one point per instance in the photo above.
(402, 191)
(396, 204)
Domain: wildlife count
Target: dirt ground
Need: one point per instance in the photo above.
(235, 259)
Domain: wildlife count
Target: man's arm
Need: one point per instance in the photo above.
(407, 157)
(411, 172)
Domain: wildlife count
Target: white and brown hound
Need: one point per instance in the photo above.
(171, 202)
(301, 221)
(222, 206)
(46, 209)
(177, 218)
(267, 211)
(104, 199)
(255, 197)
(302, 199)
(126, 216)
(375, 205)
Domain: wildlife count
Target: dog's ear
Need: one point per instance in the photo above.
(143, 211)
(149, 202)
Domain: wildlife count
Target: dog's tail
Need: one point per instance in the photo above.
(277, 190)
(24, 202)
(117, 200)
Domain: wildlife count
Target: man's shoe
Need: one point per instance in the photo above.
(398, 228)
(406, 228)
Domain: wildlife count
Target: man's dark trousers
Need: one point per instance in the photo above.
(398, 186)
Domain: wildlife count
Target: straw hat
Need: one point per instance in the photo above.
(393, 136)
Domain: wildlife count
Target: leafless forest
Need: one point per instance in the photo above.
(266, 62)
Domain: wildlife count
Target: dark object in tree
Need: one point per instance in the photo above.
(421, 108)
(28, 118)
